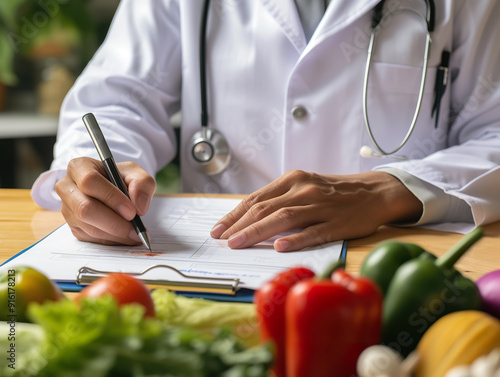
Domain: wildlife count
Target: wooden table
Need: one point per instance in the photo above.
(22, 223)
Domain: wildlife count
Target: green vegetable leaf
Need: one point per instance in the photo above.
(96, 338)
(205, 315)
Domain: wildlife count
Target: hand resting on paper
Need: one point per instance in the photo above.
(95, 209)
(326, 207)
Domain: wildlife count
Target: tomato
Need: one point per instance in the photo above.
(20, 286)
(124, 288)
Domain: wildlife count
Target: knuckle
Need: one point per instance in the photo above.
(136, 176)
(255, 230)
(297, 178)
(311, 190)
(73, 163)
(130, 167)
(259, 211)
(84, 209)
(149, 181)
(76, 164)
(88, 179)
(250, 200)
(248, 203)
(286, 215)
(297, 174)
(128, 164)
(60, 186)
(317, 235)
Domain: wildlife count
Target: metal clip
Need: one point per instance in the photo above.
(87, 275)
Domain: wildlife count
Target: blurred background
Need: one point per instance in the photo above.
(44, 46)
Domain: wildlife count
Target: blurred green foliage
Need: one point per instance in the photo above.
(168, 180)
(25, 25)
(8, 11)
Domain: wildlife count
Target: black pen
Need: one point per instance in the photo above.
(113, 174)
(441, 83)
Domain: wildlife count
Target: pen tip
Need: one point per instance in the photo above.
(145, 240)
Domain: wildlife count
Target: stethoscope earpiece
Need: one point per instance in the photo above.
(367, 152)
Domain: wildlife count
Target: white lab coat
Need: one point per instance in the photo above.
(260, 67)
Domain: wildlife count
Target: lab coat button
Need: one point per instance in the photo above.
(299, 112)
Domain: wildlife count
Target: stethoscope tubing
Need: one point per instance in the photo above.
(421, 87)
(377, 21)
(203, 66)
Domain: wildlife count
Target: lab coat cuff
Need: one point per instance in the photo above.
(43, 190)
(438, 206)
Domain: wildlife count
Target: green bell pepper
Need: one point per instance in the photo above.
(419, 288)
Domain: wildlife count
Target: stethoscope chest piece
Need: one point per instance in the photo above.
(209, 153)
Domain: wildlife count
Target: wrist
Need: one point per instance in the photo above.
(397, 203)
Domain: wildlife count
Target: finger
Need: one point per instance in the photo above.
(93, 217)
(255, 213)
(313, 235)
(271, 190)
(282, 188)
(279, 221)
(91, 179)
(265, 208)
(92, 234)
(141, 185)
(86, 232)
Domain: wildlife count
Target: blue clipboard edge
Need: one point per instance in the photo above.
(242, 295)
(29, 247)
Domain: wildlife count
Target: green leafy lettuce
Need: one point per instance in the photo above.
(97, 339)
(205, 315)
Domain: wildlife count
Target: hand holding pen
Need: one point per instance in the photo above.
(95, 209)
(112, 170)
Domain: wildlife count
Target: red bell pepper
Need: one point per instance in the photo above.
(329, 322)
(319, 325)
(270, 303)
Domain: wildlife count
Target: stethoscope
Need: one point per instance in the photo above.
(210, 153)
(377, 19)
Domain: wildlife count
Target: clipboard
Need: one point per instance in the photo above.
(61, 257)
(227, 290)
(217, 289)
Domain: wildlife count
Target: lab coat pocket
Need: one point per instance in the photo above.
(393, 102)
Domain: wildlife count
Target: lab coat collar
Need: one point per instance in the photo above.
(339, 14)
(285, 14)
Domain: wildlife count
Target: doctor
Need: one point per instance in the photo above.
(288, 96)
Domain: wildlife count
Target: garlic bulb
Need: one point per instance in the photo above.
(484, 366)
(382, 361)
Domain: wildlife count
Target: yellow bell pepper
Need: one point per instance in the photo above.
(456, 339)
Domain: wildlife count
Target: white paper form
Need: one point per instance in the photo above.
(179, 230)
